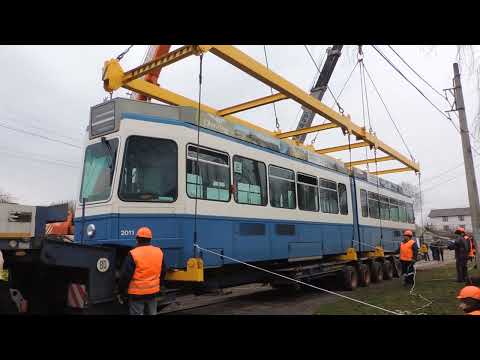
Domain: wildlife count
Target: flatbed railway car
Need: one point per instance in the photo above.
(246, 194)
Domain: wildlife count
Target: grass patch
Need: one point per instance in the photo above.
(437, 284)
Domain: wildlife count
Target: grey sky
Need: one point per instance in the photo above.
(48, 90)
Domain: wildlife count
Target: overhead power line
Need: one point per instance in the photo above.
(416, 73)
(38, 135)
(421, 93)
(411, 83)
(30, 158)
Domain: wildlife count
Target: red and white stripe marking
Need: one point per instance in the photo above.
(77, 296)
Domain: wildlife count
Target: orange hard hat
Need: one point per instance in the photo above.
(460, 230)
(144, 232)
(469, 292)
(408, 233)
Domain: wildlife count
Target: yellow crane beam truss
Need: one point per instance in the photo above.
(114, 77)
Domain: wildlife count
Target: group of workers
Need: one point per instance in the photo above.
(464, 247)
(435, 248)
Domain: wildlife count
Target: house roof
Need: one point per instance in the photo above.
(449, 212)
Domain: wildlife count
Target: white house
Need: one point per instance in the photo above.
(450, 219)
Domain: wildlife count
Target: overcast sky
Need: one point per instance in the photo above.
(48, 91)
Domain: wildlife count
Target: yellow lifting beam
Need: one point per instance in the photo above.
(251, 104)
(342, 147)
(368, 161)
(391, 171)
(252, 67)
(114, 77)
(308, 130)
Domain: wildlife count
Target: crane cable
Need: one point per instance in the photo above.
(365, 105)
(277, 124)
(197, 166)
(352, 174)
(388, 113)
(360, 61)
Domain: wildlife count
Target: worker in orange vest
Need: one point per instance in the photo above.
(141, 274)
(408, 250)
(469, 298)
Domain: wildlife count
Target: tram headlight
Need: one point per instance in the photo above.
(90, 230)
(13, 243)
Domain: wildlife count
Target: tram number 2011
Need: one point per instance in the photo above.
(127, 232)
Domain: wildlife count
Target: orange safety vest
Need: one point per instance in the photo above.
(472, 250)
(148, 266)
(406, 250)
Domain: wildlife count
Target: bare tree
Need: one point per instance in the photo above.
(6, 198)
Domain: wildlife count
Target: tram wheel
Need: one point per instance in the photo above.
(364, 275)
(350, 278)
(376, 271)
(387, 270)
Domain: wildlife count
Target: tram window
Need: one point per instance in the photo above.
(307, 189)
(384, 207)
(98, 168)
(328, 196)
(210, 180)
(393, 209)
(373, 205)
(250, 179)
(410, 214)
(282, 187)
(364, 202)
(342, 197)
(149, 170)
(402, 212)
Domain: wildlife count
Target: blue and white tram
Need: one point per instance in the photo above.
(254, 203)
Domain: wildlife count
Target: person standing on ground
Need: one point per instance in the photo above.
(469, 298)
(141, 274)
(408, 250)
(440, 251)
(434, 250)
(424, 252)
(461, 245)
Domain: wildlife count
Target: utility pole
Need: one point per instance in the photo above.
(319, 88)
(467, 159)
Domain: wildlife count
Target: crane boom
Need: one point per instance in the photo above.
(319, 89)
(154, 52)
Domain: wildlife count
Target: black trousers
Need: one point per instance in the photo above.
(462, 270)
(407, 271)
(440, 251)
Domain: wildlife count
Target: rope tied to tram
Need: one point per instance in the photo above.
(300, 282)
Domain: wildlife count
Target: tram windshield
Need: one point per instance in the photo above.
(149, 170)
(98, 170)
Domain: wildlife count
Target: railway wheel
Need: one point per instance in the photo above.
(397, 268)
(364, 276)
(350, 278)
(387, 270)
(376, 271)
